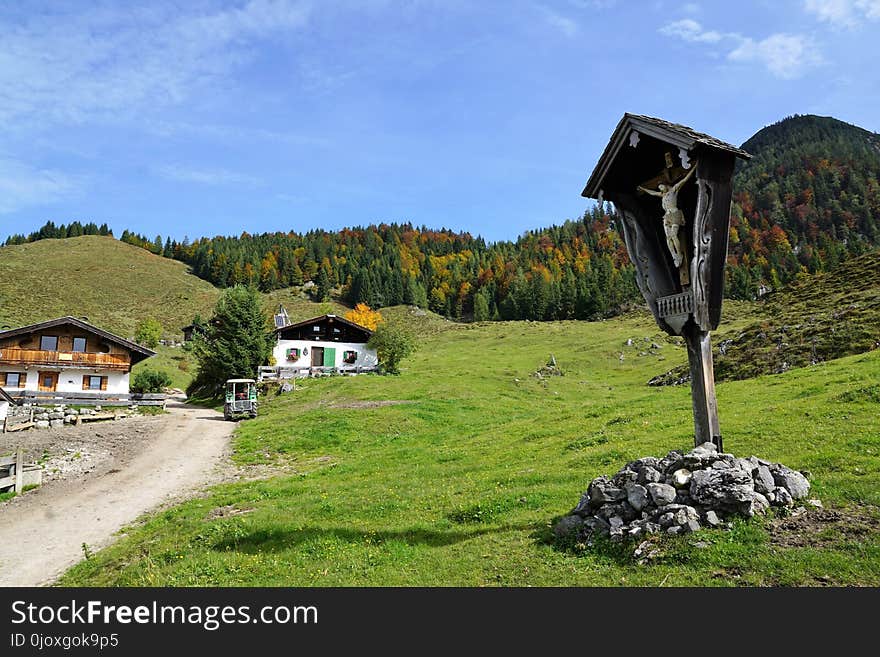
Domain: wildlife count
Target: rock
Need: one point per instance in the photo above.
(757, 506)
(603, 491)
(712, 519)
(671, 462)
(794, 482)
(674, 529)
(637, 496)
(682, 497)
(71, 411)
(661, 494)
(41, 424)
(583, 508)
(648, 475)
(568, 526)
(681, 478)
(57, 423)
(764, 482)
(780, 497)
(666, 520)
(815, 502)
(624, 477)
(691, 526)
(721, 487)
(616, 523)
(598, 525)
(651, 528)
(70, 419)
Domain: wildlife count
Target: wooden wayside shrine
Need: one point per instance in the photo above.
(671, 187)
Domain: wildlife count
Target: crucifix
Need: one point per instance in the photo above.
(679, 249)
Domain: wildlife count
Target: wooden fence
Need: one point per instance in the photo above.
(16, 474)
(281, 373)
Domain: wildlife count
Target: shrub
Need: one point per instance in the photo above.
(147, 380)
(148, 333)
(392, 344)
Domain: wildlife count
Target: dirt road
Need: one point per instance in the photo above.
(44, 530)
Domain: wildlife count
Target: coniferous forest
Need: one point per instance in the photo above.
(807, 200)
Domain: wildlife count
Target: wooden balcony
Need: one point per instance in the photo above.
(37, 357)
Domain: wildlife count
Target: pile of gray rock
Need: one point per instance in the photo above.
(680, 493)
(57, 416)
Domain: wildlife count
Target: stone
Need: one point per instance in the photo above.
(780, 497)
(603, 491)
(713, 487)
(41, 424)
(648, 475)
(682, 497)
(598, 525)
(616, 523)
(712, 519)
(624, 477)
(637, 496)
(764, 482)
(70, 418)
(757, 506)
(671, 462)
(674, 529)
(681, 478)
(651, 528)
(583, 508)
(568, 526)
(57, 423)
(794, 482)
(691, 526)
(666, 520)
(661, 494)
(815, 502)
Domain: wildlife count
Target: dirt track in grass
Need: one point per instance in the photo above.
(101, 477)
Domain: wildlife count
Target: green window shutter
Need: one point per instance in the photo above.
(329, 356)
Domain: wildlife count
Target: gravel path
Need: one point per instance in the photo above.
(101, 477)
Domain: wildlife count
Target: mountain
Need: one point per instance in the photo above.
(808, 199)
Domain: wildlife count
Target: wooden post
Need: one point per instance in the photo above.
(19, 469)
(699, 348)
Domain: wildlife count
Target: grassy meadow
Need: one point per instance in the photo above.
(453, 472)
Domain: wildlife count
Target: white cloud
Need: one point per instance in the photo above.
(560, 23)
(690, 30)
(75, 66)
(212, 177)
(845, 13)
(786, 56)
(22, 185)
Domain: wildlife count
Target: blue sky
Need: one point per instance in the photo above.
(207, 117)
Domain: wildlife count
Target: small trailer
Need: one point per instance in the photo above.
(241, 399)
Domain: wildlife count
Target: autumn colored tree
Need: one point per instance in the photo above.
(364, 316)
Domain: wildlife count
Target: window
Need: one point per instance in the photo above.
(349, 357)
(10, 379)
(94, 382)
(49, 343)
(293, 354)
(79, 344)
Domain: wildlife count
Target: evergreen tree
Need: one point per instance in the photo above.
(235, 343)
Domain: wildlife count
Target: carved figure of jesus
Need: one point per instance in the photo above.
(673, 217)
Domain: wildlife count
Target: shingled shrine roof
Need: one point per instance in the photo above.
(673, 133)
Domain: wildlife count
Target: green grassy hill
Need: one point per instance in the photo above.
(452, 473)
(817, 318)
(114, 284)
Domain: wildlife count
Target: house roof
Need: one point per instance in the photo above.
(672, 133)
(138, 353)
(321, 318)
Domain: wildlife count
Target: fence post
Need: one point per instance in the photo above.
(19, 469)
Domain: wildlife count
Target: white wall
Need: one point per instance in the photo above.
(4, 409)
(70, 380)
(365, 357)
